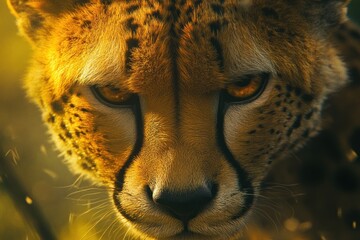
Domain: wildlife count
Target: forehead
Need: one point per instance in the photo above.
(202, 43)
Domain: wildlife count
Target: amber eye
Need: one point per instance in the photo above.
(247, 88)
(112, 96)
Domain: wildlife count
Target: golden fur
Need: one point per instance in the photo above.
(182, 54)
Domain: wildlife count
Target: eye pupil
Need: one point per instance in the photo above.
(243, 82)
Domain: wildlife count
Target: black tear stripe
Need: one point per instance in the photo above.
(219, 52)
(120, 177)
(106, 2)
(174, 14)
(244, 181)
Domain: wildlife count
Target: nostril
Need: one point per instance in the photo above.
(185, 205)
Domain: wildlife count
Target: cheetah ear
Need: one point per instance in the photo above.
(325, 13)
(32, 14)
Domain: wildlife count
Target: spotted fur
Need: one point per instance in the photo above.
(181, 137)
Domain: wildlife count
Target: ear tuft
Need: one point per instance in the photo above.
(41, 6)
(32, 14)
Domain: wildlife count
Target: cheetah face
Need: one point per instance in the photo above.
(180, 107)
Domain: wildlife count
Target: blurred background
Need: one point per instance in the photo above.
(72, 208)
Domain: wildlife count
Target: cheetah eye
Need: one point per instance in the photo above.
(113, 96)
(247, 88)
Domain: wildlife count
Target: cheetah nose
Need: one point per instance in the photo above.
(184, 205)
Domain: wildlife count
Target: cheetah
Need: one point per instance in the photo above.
(181, 108)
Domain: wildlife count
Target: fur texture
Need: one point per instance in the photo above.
(178, 57)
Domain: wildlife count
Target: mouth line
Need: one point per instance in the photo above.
(187, 233)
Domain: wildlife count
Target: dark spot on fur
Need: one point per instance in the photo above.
(278, 103)
(71, 90)
(68, 135)
(278, 87)
(86, 24)
(174, 13)
(82, 2)
(217, 8)
(57, 107)
(289, 88)
(306, 133)
(131, 25)
(131, 44)
(269, 12)
(297, 122)
(106, 2)
(62, 125)
(252, 131)
(189, 11)
(295, 125)
(36, 21)
(197, 3)
(309, 115)
(72, 105)
(132, 9)
(88, 164)
(62, 137)
(215, 26)
(307, 98)
(156, 14)
(84, 110)
(69, 152)
(77, 133)
(51, 119)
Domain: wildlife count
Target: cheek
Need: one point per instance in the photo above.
(101, 138)
(246, 133)
(118, 131)
(118, 127)
(253, 135)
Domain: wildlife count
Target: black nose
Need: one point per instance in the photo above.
(185, 205)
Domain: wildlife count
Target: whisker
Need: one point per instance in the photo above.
(95, 224)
